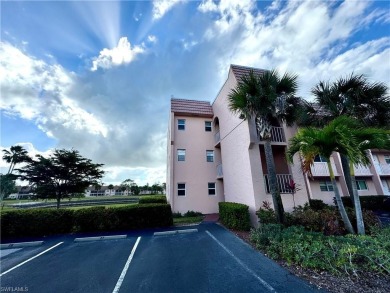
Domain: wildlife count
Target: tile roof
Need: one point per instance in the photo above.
(191, 107)
(240, 71)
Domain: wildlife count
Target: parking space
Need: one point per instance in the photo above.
(206, 258)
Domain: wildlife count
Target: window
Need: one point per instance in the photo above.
(210, 156)
(181, 189)
(387, 159)
(211, 187)
(181, 124)
(361, 185)
(326, 186)
(207, 125)
(319, 158)
(181, 155)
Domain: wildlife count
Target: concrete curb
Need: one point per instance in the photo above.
(166, 233)
(20, 244)
(96, 238)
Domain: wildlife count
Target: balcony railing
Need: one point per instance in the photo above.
(361, 170)
(277, 134)
(383, 168)
(321, 169)
(281, 179)
(219, 171)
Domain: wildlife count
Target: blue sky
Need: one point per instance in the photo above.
(98, 75)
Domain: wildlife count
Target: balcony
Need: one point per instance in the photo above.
(219, 171)
(277, 134)
(383, 168)
(321, 169)
(361, 170)
(281, 179)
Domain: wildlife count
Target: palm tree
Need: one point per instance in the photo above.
(267, 98)
(16, 155)
(356, 97)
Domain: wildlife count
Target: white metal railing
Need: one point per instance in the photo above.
(383, 168)
(361, 170)
(321, 169)
(277, 134)
(281, 179)
(219, 171)
(217, 137)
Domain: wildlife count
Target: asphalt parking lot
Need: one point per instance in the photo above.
(203, 258)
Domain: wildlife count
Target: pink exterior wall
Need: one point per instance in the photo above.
(195, 171)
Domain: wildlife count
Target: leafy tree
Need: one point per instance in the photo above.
(110, 187)
(61, 174)
(268, 99)
(356, 97)
(7, 186)
(126, 185)
(16, 155)
(341, 135)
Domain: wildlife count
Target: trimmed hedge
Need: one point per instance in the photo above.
(153, 199)
(234, 215)
(370, 202)
(42, 222)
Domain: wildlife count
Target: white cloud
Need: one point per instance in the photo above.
(34, 90)
(161, 7)
(152, 39)
(121, 54)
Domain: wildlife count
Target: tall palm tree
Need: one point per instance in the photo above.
(311, 142)
(356, 97)
(16, 155)
(267, 98)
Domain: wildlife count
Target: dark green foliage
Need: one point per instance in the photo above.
(192, 214)
(36, 222)
(42, 222)
(177, 215)
(350, 254)
(369, 202)
(317, 204)
(266, 214)
(153, 199)
(234, 215)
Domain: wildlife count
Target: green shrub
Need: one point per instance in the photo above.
(177, 215)
(41, 222)
(317, 204)
(36, 222)
(153, 199)
(349, 254)
(369, 202)
(234, 215)
(192, 214)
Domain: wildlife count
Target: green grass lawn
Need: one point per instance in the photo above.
(187, 220)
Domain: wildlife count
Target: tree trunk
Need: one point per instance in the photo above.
(340, 205)
(356, 202)
(276, 198)
(347, 175)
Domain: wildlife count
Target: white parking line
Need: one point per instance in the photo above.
(126, 267)
(30, 259)
(264, 283)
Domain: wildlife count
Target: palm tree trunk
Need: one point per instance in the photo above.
(276, 198)
(347, 175)
(356, 202)
(339, 202)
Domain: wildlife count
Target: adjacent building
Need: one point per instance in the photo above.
(215, 156)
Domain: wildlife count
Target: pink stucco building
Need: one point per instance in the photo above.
(214, 156)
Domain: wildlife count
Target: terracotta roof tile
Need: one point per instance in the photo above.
(191, 107)
(240, 71)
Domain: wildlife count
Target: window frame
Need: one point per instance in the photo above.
(319, 159)
(327, 184)
(358, 187)
(181, 156)
(181, 123)
(212, 188)
(208, 152)
(387, 159)
(208, 128)
(181, 189)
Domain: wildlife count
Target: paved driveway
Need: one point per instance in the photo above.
(203, 258)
